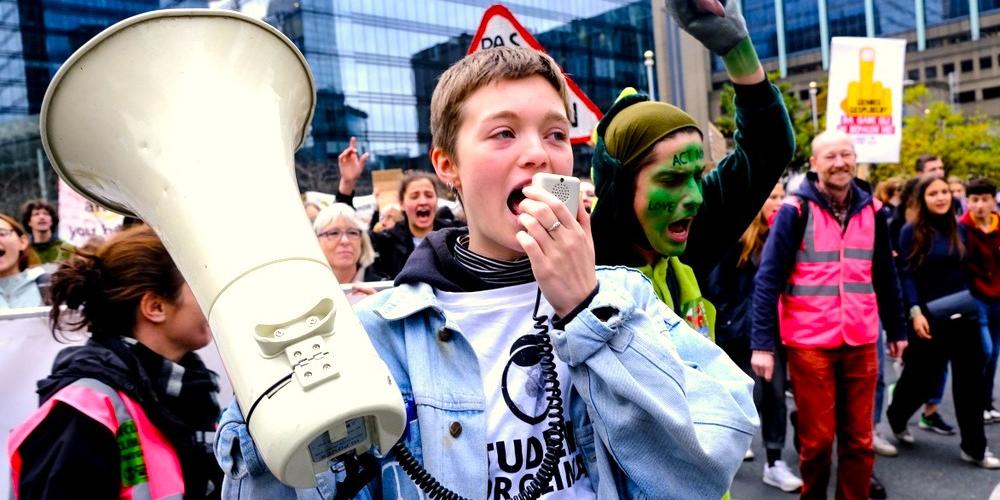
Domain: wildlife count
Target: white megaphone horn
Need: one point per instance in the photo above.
(188, 119)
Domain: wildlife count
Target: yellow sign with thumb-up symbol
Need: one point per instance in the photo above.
(867, 97)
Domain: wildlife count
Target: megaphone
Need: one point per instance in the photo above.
(188, 120)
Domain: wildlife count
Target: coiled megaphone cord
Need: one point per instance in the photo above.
(553, 435)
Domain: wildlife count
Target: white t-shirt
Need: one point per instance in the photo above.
(499, 325)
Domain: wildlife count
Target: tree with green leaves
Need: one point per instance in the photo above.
(969, 145)
(800, 113)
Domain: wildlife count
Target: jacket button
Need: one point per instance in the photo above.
(444, 334)
(455, 429)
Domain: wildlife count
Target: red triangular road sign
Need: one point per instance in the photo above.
(499, 27)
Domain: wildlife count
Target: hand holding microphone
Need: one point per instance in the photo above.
(558, 242)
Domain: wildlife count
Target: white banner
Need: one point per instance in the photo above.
(865, 95)
(79, 219)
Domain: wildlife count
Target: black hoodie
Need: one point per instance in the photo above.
(69, 453)
(433, 262)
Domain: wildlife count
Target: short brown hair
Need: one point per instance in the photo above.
(110, 282)
(922, 160)
(477, 70)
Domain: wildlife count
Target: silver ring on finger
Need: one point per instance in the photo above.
(555, 226)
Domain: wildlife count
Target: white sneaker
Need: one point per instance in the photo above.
(988, 461)
(987, 417)
(748, 455)
(905, 437)
(882, 446)
(995, 413)
(781, 477)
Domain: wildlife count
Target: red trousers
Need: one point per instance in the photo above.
(834, 394)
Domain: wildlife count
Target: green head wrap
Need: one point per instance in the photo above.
(625, 136)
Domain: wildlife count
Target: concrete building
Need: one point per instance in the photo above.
(957, 37)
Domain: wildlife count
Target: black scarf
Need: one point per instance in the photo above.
(179, 399)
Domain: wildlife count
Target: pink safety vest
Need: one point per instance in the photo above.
(150, 467)
(829, 299)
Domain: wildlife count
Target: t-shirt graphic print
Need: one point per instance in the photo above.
(499, 325)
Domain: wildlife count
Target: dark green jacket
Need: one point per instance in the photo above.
(737, 187)
(54, 250)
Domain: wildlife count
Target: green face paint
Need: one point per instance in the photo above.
(742, 60)
(667, 192)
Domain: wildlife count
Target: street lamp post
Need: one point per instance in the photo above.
(812, 102)
(649, 73)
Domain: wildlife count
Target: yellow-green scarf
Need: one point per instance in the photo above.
(697, 311)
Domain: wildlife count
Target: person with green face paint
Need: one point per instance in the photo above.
(657, 210)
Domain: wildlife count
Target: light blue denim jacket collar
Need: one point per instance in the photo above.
(657, 410)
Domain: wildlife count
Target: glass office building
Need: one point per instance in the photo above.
(376, 62)
(803, 24)
(36, 36)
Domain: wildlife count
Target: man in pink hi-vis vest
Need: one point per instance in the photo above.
(826, 277)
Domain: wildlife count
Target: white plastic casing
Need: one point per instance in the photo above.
(564, 187)
(188, 119)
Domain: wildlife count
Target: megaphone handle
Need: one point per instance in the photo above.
(360, 471)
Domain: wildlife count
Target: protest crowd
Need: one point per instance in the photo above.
(690, 306)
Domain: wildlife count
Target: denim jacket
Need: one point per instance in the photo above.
(657, 409)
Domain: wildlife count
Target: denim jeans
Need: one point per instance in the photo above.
(989, 322)
(834, 394)
(940, 382)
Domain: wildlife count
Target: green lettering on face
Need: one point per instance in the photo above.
(672, 190)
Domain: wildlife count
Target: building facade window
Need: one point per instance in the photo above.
(930, 72)
(966, 65)
(759, 15)
(991, 93)
(985, 62)
(894, 16)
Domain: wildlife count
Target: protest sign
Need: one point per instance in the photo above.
(865, 96)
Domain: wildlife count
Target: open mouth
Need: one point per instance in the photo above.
(3, 251)
(423, 212)
(515, 198)
(678, 231)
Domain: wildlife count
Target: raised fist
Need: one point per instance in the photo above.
(717, 24)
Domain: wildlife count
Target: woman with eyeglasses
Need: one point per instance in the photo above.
(21, 277)
(348, 248)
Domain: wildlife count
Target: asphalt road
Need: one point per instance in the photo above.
(930, 469)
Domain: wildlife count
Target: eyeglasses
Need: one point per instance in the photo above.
(336, 234)
(7, 232)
